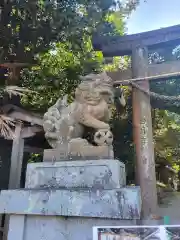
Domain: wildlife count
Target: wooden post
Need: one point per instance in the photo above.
(16, 159)
(143, 136)
(15, 168)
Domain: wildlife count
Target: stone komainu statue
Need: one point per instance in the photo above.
(90, 111)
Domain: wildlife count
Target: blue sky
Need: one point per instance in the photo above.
(154, 14)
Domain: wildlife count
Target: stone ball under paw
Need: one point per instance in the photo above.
(103, 137)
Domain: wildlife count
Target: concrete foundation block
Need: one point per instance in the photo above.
(98, 174)
(124, 203)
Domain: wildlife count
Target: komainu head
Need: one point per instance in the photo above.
(94, 87)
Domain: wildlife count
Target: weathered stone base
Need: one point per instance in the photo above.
(64, 200)
(57, 228)
(100, 174)
(84, 153)
(121, 203)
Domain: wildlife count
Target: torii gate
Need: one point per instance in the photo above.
(137, 46)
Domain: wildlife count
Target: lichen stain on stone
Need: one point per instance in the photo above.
(121, 198)
(133, 212)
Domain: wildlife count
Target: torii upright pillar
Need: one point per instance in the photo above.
(143, 136)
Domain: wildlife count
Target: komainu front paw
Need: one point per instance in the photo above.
(104, 126)
(103, 137)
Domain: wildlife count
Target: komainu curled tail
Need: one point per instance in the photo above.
(53, 122)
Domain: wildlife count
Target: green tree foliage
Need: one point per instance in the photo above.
(58, 74)
(169, 87)
(166, 118)
(123, 136)
(167, 136)
(59, 67)
(30, 27)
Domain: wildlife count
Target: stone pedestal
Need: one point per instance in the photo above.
(75, 153)
(96, 174)
(64, 200)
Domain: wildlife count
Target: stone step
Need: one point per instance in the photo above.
(124, 203)
(98, 174)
